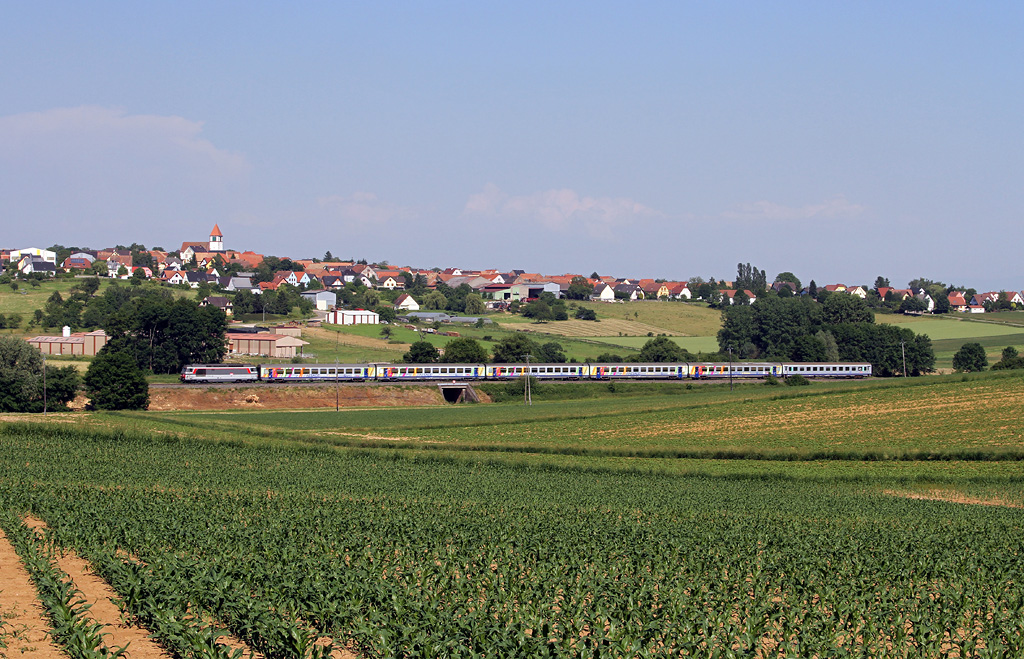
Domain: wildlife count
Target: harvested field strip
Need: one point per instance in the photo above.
(585, 328)
(951, 496)
(28, 630)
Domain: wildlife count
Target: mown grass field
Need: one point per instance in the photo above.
(28, 298)
(692, 521)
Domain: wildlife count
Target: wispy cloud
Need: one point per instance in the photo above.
(561, 210)
(94, 173)
(767, 211)
(87, 136)
(364, 210)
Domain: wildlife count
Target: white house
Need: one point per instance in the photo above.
(33, 264)
(405, 302)
(603, 293)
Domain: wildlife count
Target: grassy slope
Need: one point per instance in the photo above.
(362, 343)
(949, 333)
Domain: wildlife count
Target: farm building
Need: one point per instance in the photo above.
(322, 300)
(264, 344)
(79, 343)
(356, 317)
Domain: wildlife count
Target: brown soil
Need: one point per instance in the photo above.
(287, 398)
(103, 610)
(21, 609)
(951, 496)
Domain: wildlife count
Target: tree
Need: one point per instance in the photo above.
(371, 298)
(514, 348)
(584, 313)
(550, 353)
(538, 310)
(21, 379)
(787, 276)
(913, 304)
(737, 328)
(114, 381)
(845, 308)
(1011, 359)
(89, 286)
(881, 282)
(662, 349)
(464, 351)
(475, 304)
(421, 352)
(970, 357)
(164, 334)
(750, 278)
(387, 313)
(829, 342)
(579, 289)
(435, 301)
(812, 290)
(386, 331)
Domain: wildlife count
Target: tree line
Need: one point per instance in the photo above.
(840, 329)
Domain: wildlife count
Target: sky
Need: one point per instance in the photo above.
(839, 141)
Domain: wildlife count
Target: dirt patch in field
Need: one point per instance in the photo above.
(289, 398)
(952, 496)
(21, 609)
(103, 610)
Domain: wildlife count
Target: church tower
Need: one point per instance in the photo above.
(216, 240)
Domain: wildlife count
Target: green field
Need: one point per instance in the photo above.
(875, 518)
(373, 348)
(28, 298)
(615, 526)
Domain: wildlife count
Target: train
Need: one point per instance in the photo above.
(211, 373)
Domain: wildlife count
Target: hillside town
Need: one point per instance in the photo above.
(227, 272)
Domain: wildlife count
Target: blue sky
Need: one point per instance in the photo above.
(839, 141)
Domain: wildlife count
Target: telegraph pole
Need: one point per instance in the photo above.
(527, 395)
(337, 389)
(730, 368)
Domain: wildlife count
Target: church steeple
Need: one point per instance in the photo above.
(216, 240)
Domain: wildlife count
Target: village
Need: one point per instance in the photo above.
(229, 276)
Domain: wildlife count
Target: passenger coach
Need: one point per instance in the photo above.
(565, 371)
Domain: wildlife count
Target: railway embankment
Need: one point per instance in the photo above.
(284, 397)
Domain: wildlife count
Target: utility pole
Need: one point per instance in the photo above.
(44, 385)
(730, 368)
(337, 391)
(527, 395)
